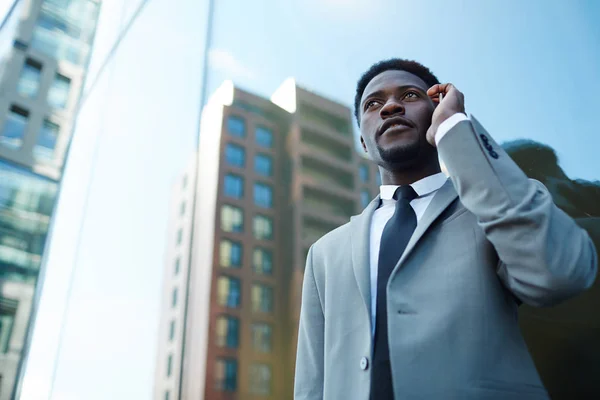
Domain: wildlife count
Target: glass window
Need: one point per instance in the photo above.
(22, 239)
(167, 395)
(264, 137)
(14, 127)
(262, 298)
(234, 186)
(227, 332)
(185, 182)
(8, 310)
(260, 379)
(174, 300)
(262, 227)
(228, 292)
(363, 172)
(365, 198)
(58, 94)
(226, 375)
(263, 195)
(263, 165)
(182, 208)
(232, 219)
(262, 337)
(46, 142)
(236, 126)
(230, 253)
(262, 261)
(65, 29)
(179, 236)
(29, 81)
(177, 265)
(235, 155)
(169, 365)
(172, 330)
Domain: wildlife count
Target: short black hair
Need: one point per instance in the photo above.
(399, 64)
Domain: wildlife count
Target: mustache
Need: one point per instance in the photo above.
(398, 120)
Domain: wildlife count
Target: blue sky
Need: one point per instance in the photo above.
(528, 70)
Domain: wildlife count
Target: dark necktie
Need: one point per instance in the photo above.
(395, 237)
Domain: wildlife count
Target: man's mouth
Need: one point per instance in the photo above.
(395, 124)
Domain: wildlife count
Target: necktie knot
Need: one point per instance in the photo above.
(405, 192)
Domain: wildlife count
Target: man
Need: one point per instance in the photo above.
(423, 305)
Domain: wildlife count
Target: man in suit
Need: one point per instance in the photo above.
(424, 303)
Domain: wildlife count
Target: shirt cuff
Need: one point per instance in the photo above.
(449, 124)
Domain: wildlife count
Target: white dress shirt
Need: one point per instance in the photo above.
(425, 189)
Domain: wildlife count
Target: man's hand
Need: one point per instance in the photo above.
(453, 102)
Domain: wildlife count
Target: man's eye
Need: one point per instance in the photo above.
(411, 95)
(370, 103)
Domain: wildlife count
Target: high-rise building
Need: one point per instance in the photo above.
(273, 176)
(44, 50)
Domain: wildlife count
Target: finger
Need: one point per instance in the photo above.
(439, 88)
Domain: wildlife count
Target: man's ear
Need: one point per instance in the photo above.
(364, 146)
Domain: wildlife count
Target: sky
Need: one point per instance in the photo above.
(527, 69)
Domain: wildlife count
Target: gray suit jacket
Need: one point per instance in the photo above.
(490, 239)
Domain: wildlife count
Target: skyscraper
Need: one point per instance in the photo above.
(44, 50)
(273, 176)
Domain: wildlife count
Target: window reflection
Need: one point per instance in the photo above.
(262, 337)
(44, 148)
(233, 186)
(174, 298)
(263, 165)
(236, 126)
(169, 364)
(262, 261)
(232, 219)
(262, 227)
(230, 254)
(262, 298)
(226, 374)
(260, 379)
(58, 94)
(177, 265)
(235, 155)
(29, 81)
(263, 195)
(227, 332)
(64, 29)
(26, 202)
(171, 330)
(8, 309)
(228, 292)
(13, 132)
(264, 137)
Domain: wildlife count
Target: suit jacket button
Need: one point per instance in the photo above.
(364, 363)
(488, 146)
(484, 138)
(493, 154)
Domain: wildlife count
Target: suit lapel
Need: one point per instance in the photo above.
(360, 238)
(441, 200)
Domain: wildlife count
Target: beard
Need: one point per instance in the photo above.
(405, 156)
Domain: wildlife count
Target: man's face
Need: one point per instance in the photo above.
(395, 113)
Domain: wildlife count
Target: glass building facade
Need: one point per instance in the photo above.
(44, 50)
(120, 233)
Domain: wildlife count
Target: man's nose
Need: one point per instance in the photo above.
(392, 107)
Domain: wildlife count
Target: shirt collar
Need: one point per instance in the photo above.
(423, 187)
